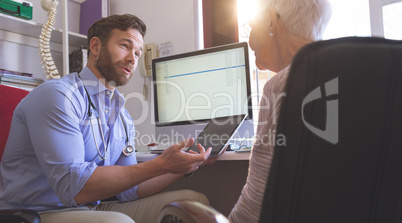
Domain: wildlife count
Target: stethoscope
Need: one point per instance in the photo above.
(128, 149)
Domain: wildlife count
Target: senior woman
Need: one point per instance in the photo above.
(279, 31)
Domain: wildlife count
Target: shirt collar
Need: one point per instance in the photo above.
(93, 85)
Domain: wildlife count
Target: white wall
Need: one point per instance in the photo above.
(172, 21)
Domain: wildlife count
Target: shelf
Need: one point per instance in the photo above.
(33, 29)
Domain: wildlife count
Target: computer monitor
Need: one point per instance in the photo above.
(197, 86)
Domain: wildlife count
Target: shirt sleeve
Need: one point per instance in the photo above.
(53, 118)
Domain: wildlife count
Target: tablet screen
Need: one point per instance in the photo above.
(218, 133)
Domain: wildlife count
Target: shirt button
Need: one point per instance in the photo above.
(106, 111)
(108, 93)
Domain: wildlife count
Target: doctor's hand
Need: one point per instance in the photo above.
(210, 160)
(174, 160)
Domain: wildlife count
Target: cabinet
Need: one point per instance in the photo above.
(26, 33)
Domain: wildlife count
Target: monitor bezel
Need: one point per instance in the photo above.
(243, 45)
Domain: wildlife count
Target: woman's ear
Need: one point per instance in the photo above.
(274, 20)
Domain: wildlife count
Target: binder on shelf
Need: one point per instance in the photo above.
(92, 11)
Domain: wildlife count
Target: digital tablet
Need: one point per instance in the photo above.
(218, 133)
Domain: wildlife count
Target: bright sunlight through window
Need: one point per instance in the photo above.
(349, 18)
(392, 20)
(246, 10)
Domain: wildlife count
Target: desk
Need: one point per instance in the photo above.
(228, 155)
(221, 182)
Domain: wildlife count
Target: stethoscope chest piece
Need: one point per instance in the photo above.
(128, 150)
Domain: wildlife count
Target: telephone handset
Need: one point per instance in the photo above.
(150, 53)
(145, 64)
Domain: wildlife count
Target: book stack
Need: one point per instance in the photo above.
(19, 80)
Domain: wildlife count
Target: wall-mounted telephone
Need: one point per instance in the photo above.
(145, 63)
(150, 52)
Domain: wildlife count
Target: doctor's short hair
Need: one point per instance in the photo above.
(305, 18)
(103, 27)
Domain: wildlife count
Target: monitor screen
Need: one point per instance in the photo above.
(197, 86)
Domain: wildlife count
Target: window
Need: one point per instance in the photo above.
(349, 18)
(392, 21)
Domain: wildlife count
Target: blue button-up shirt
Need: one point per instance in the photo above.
(51, 151)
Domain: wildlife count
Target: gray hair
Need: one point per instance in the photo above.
(305, 18)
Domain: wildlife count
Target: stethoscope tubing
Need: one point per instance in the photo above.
(128, 149)
(103, 138)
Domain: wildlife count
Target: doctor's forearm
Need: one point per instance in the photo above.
(107, 181)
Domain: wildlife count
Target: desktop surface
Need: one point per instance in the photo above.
(228, 155)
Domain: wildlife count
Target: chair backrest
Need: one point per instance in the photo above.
(341, 120)
(9, 99)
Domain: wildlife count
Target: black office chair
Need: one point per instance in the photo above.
(342, 117)
(19, 216)
(342, 121)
